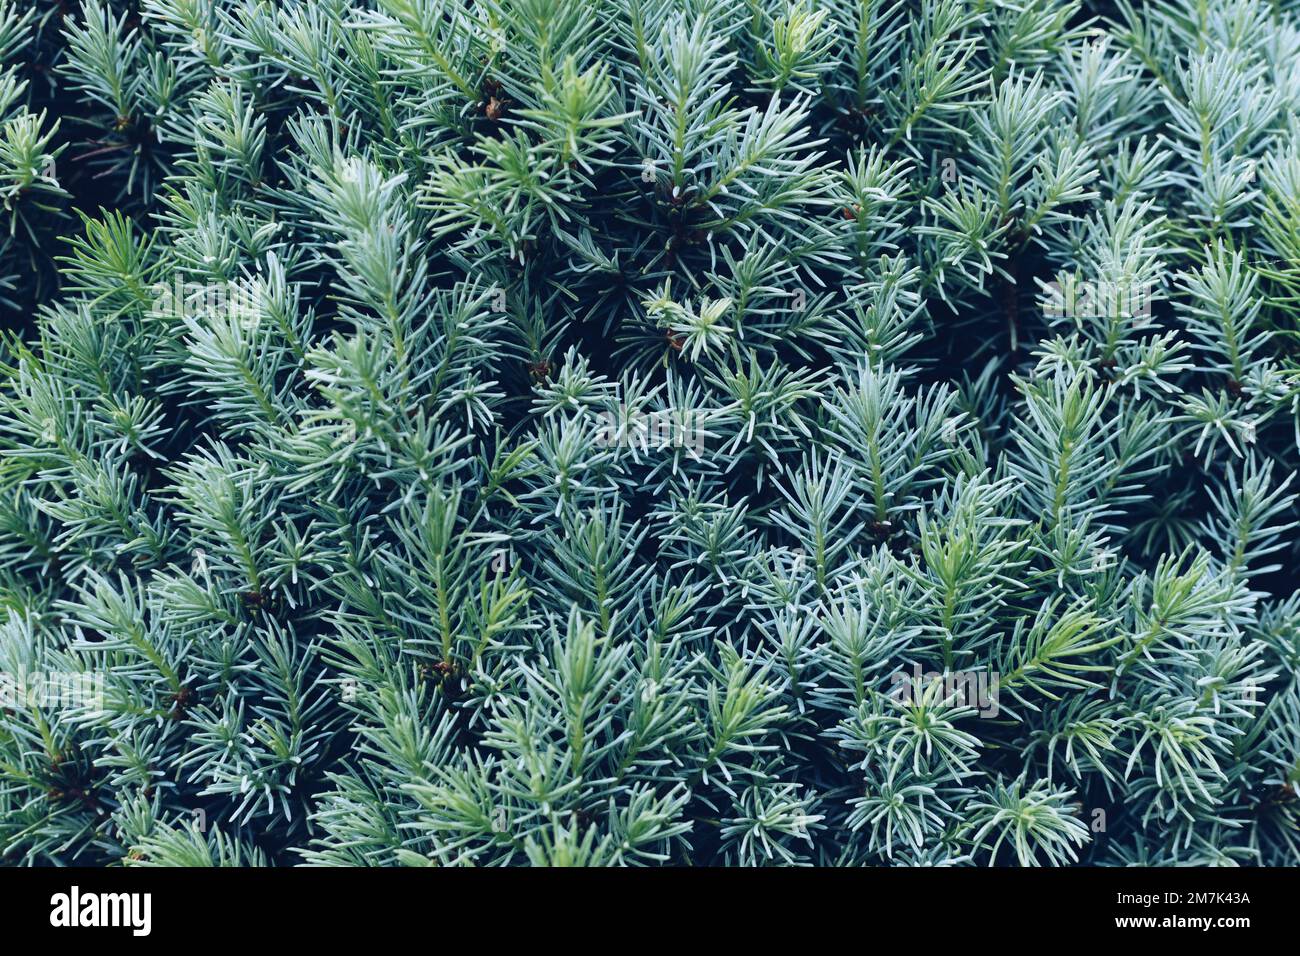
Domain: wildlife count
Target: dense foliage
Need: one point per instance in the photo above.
(649, 431)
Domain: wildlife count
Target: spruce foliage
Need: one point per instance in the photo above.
(568, 432)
